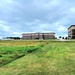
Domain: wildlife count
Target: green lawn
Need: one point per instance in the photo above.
(54, 58)
(12, 50)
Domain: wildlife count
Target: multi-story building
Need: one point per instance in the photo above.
(38, 36)
(71, 32)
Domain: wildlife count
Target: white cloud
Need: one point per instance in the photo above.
(17, 16)
(6, 4)
(62, 28)
(16, 33)
(3, 26)
(46, 4)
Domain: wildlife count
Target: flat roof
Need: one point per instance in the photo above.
(39, 33)
(71, 26)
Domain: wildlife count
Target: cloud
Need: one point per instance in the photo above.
(3, 26)
(18, 16)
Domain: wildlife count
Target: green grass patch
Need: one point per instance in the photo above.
(9, 53)
(52, 58)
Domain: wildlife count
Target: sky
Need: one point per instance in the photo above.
(23, 16)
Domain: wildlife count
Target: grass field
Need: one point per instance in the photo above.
(12, 50)
(49, 58)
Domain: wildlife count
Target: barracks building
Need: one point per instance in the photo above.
(33, 36)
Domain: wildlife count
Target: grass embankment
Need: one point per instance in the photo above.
(57, 58)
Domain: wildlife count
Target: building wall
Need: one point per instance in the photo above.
(35, 36)
(49, 36)
(38, 36)
(71, 32)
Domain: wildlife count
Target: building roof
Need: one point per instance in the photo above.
(40, 33)
(71, 26)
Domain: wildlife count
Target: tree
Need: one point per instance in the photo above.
(59, 36)
(66, 37)
(62, 37)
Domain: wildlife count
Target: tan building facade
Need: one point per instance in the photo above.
(71, 32)
(33, 36)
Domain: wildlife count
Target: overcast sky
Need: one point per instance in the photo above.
(19, 16)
